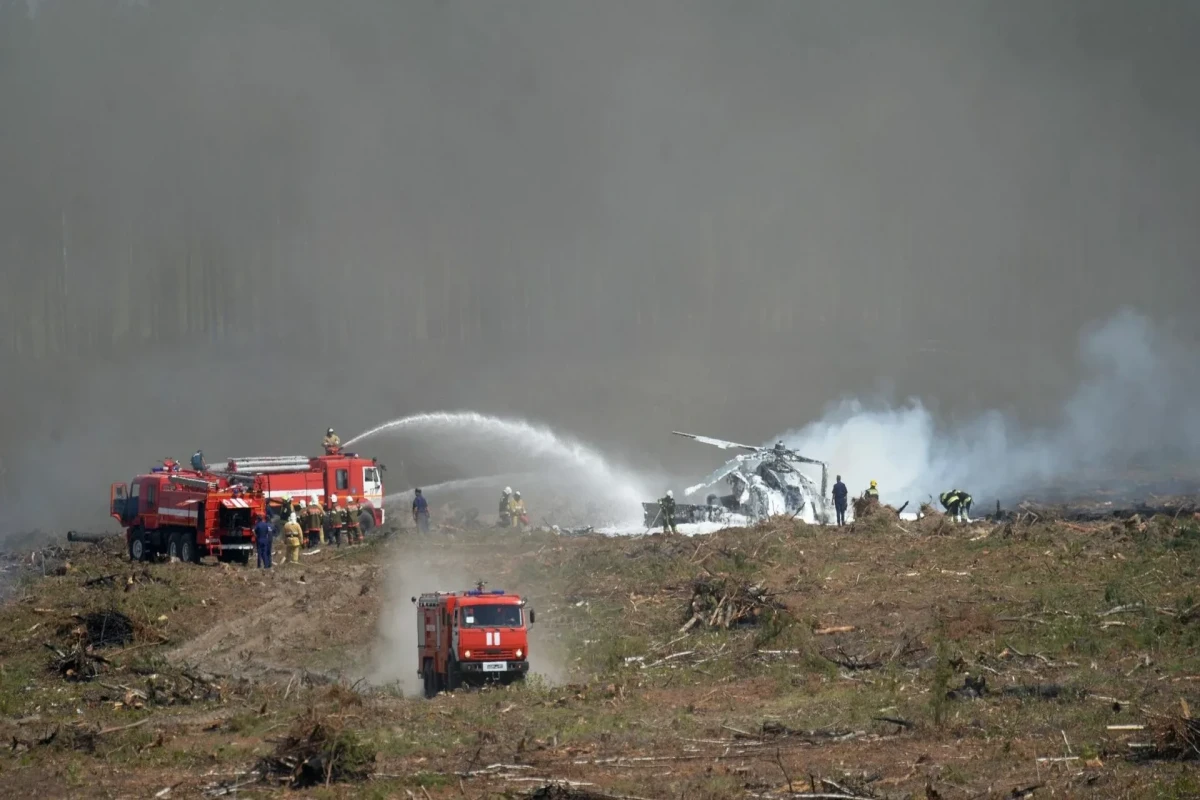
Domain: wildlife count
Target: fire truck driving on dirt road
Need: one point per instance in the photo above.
(471, 638)
(185, 514)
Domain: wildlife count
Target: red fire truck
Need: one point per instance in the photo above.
(313, 479)
(186, 514)
(470, 638)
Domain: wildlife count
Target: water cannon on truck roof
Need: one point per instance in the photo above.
(471, 637)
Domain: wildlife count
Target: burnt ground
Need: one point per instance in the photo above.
(855, 670)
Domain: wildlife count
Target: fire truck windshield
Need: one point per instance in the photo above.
(491, 616)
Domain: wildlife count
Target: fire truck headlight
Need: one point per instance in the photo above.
(520, 653)
(466, 653)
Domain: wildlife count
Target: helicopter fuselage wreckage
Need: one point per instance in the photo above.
(764, 482)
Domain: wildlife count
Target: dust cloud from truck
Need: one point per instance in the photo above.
(232, 225)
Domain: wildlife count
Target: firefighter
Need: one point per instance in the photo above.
(839, 500)
(957, 504)
(198, 461)
(285, 510)
(334, 517)
(263, 538)
(302, 520)
(350, 521)
(506, 507)
(520, 518)
(420, 511)
(291, 537)
(666, 510)
(332, 443)
(872, 492)
(313, 524)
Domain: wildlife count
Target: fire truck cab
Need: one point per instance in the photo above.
(185, 514)
(471, 638)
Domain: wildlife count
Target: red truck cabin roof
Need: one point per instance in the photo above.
(474, 597)
(490, 600)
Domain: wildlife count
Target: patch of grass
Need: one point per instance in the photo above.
(429, 780)
(1185, 537)
(1183, 786)
(15, 677)
(939, 682)
(248, 723)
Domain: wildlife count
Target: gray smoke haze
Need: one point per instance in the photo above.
(232, 224)
(1136, 407)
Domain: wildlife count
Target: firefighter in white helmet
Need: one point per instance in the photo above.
(350, 521)
(666, 511)
(333, 518)
(291, 537)
(332, 444)
(314, 529)
(506, 510)
(520, 518)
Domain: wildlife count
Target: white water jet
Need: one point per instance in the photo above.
(455, 485)
(554, 456)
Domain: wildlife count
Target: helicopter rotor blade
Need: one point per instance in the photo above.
(721, 443)
(725, 470)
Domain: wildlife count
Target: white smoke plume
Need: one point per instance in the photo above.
(1135, 408)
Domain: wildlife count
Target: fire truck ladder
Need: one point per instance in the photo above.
(264, 464)
(192, 483)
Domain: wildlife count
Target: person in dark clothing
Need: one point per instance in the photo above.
(420, 510)
(264, 535)
(285, 510)
(198, 461)
(840, 493)
(957, 504)
(666, 510)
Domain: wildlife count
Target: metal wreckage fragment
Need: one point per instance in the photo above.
(764, 482)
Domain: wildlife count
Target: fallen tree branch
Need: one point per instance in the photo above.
(834, 629)
(1121, 609)
(119, 728)
(671, 657)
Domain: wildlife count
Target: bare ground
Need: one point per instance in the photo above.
(1075, 629)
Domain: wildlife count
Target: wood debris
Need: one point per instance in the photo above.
(726, 603)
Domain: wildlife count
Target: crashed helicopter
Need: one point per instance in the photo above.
(765, 481)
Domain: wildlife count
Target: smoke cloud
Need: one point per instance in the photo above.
(1135, 407)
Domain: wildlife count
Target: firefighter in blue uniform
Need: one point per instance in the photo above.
(420, 510)
(263, 537)
(840, 495)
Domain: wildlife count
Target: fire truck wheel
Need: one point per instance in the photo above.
(137, 546)
(453, 676)
(430, 678)
(187, 549)
(173, 540)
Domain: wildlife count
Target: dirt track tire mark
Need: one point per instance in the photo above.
(284, 622)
